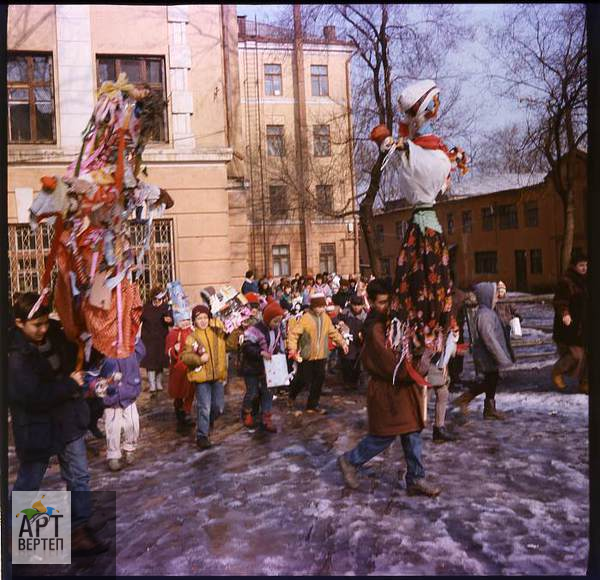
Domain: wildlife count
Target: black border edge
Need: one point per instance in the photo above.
(593, 211)
(5, 561)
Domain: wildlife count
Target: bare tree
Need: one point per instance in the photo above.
(395, 44)
(543, 51)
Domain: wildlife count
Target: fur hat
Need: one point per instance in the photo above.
(200, 309)
(317, 299)
(272, 310)
(412, 94)
(578, 256)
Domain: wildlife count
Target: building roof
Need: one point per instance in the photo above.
(263, 32)
(483, 184)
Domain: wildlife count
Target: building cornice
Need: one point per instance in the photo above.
(252, 44)
(39, 156)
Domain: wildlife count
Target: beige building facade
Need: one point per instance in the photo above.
(297, 128)
(59, 54)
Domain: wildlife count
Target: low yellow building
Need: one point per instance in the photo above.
(58, 55)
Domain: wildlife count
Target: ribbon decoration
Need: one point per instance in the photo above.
(112, 89)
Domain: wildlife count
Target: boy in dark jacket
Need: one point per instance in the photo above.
(49, 414)
(354, 317)
(490, 351)
(261, 341)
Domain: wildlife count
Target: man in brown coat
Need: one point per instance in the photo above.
(392, 410)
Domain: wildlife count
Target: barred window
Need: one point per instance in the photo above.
(486, 262)
(273, 80)
(275, 143)
(27, 251)
(319, 80)
(30, 85)
(141, 71)
(467, 221)
(322, 141)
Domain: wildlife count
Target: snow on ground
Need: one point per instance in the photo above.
(514, 501)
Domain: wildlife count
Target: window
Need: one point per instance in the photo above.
(507, 217)
(281, 260)
(536, 261)
(487, 218)
(322, 141)
(486, 262)
(379, 232)
(325, 200)
(450, 223)
(273, 80)
(319, 80)
(27, 251)
(531, 214)
(275, 145)
(140, 70)
(278, 202)
(386, 265)
(401, 228)
(467, 221)
(30, 98)
(327, 258)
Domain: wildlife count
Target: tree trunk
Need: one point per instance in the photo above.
(367, 222)
(569, 231)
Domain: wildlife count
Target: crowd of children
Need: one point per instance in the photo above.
(308, 320)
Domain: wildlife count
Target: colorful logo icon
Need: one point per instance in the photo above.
(37, 510)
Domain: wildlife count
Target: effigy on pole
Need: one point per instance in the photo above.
(421, 324)
(96, 293)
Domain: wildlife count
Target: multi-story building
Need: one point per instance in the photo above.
(58, 55)
(295, 95)
(507, 227)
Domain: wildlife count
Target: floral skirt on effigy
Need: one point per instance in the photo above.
(422, 283)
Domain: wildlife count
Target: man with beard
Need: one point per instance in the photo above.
(394, 408)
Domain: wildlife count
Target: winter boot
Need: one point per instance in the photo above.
(441, 435)
(267, 423)
(203, 443)
(462, 402)
(115, 464)
(421, 487)
(489, 410)
(558, 381)
(348, 471)
(249, 420)
(85, 543)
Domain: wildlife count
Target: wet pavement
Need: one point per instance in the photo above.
(514, 500)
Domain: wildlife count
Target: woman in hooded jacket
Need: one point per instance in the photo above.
(491, 351)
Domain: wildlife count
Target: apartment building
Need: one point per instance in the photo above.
(58, 55)
(295, 95)
(507, 227)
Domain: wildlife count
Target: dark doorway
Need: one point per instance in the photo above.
(521, 270)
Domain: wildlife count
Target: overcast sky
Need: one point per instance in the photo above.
(492, 113)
